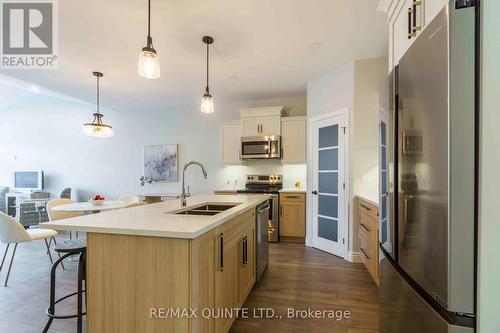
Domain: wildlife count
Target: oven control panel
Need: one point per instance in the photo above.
(264, 179)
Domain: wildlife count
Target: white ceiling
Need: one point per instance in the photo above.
(266, 44)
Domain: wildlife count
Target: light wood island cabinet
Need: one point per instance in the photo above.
(134, 280)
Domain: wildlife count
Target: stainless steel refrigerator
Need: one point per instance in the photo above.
(428, 266)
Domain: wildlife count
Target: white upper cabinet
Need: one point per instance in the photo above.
(401, 34)
(261, 121)
(250, 127)
(293, 140)
(270, 125)
(230, 134)
(407, 19)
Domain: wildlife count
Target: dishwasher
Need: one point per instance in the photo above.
(262, 255)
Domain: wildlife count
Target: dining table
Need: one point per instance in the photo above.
(88, 207)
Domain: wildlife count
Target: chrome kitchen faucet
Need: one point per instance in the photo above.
(205, 174)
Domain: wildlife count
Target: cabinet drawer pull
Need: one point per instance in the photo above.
(365, 207)
(364, 253)
(292, 197)
(364, 227)
(221, 253)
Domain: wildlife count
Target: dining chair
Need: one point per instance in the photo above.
(12, 232)
(130, 199)
(55, 215)
(65, 193)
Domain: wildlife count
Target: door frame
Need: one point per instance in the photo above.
(347, 179)
(384, 117)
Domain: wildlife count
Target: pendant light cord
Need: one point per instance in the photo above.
(149, 18)
(97, 103)
(208, 45)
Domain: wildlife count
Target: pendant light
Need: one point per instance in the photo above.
(97, 128)
(149, 64)
(207, 101)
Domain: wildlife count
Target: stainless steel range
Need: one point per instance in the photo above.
(270, 186)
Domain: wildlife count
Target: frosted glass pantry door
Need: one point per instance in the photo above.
(329, 222)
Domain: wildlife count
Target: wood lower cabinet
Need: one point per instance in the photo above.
(246, 263)
(233, 277)
(292, 216)
(366, 214)
(132, 278)
(226, 280)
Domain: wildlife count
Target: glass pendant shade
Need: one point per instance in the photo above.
(97, 128)
(207, 103)
(149, 64)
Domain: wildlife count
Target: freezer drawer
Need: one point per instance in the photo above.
(403, 310)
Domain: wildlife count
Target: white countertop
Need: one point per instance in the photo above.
(161, 195)
(222, 189)
(293, 190)
(159, 219)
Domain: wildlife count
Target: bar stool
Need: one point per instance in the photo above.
(69, 247)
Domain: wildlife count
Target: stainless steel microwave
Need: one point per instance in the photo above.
(261, 147)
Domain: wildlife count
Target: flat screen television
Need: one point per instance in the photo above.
(28, 180)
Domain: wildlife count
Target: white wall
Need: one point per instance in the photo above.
(489, 222)
(355, 86)
(43, 132)
(332, 91)
(368, 77)
(328, 93)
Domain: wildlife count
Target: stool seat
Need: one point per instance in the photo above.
(71, 246)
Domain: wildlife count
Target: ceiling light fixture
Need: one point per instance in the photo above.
(207, 101)
(315, 45)
(149, 64)
(97, 128)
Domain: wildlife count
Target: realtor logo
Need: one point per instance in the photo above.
(29, 34)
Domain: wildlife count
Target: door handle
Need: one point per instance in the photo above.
(245, 251)
(315, 192)
(411, 33)
(415, 26)
(220, 267)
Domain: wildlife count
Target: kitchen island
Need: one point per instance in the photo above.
(166, 268)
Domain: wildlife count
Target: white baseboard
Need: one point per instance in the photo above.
(353, 256)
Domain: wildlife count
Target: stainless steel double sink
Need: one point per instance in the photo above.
(207, 209)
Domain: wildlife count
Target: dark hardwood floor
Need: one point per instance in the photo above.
(24, 300)
(298, 277)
